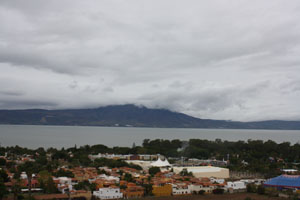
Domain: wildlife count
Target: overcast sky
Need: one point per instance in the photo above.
(233, 60)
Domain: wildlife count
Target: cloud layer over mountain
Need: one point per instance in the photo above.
(227, 59)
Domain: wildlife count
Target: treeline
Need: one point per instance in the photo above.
(252, 155)
(266, 157)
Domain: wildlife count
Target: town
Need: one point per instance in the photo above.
(158, 168)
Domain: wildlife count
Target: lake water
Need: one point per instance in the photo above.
(67, 136)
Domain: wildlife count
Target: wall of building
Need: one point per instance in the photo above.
(108, 193)
(180, 191)
(206, 171)
(165, 190)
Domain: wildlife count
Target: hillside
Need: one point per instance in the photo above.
(130, 115)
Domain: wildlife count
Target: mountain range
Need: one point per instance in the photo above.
(131, 115)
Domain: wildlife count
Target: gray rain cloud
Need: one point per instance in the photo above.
(232, 60)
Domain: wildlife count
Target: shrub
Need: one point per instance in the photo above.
(251, 188)
(218, 191)
(201, 192)
(154, 170)
(271, 192)
(260, 189)
(2, 162)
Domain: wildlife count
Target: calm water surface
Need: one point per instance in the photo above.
(67, 136)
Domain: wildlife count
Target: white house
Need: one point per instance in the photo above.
(65, 180)
(65, 184)
(236, 185)
(195, 188)
(109, 178)
(217, 180)
(207, 188)
(180, 189)
(108, 193)
(23, 175)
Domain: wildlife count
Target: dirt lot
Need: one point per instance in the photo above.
(238, 196)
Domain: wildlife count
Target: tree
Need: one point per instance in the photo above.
(82, 185)
(2, 162)
(148, 189)
(128, 177)
(65, 173)
(4, 175)
(218, 191)
(185, 172)
(260, 189)
(272, 192)
(30, 168)
(50, 186)
(93, 187)
(42, 160)
(201, 192)
(16, 187)
(46, 182)
(154, 170)
(3, 190)
(251, 188)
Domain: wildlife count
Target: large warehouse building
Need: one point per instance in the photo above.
(205, 171)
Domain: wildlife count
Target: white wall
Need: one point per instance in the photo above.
(236, 185)
(177, 190)
(108, 193)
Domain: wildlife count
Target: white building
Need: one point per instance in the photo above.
(65, 180)
(236, 185)
(160, 163)
(65, 184)
(196, 188)
(205, 171)
(144, 164)
(23, 175)
(109, 156)
(109, 178)
(180, 189)
(108, 193)
(217, 180)
(292, 171)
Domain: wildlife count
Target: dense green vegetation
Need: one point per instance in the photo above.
(3, 190)
(252, 155)
(113, 163)
(154, 170)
